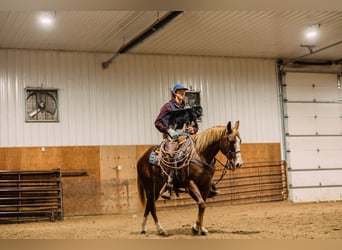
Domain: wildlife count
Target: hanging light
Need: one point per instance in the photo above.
(339, 81)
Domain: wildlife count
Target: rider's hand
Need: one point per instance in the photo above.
(173, 134)
(191, 130)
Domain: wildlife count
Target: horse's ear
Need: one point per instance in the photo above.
(229, 127)
(237, 123)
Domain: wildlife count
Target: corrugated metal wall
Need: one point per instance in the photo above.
(117, 106)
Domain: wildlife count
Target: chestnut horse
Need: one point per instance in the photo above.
(199, 172)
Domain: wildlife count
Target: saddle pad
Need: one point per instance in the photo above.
(154, 158)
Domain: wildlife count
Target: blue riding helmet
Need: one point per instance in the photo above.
(178, 86)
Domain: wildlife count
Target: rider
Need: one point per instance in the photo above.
(176, 103)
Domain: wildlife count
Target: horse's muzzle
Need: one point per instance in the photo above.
(238, 165)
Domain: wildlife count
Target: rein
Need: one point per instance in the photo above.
(226, 167)
(202, 163)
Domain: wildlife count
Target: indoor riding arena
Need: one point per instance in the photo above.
(78, 105)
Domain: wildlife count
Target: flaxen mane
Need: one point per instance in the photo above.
(208, 137)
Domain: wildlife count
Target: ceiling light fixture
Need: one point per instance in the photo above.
(313, 31)
(47, 18)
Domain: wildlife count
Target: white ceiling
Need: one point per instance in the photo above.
(237, 33)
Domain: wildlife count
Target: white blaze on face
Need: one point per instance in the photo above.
(238, 162)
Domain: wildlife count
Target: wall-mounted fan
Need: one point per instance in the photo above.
(41, 105)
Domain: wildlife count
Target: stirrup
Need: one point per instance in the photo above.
(166, 195)
(166, 191)
(213, 193)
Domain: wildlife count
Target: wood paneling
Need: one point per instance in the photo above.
(109, 188)
(118, 179)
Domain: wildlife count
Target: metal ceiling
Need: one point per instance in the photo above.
(258, 34)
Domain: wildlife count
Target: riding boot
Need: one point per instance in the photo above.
(213, 191)
(166, 191)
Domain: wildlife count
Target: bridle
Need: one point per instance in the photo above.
(231, 153)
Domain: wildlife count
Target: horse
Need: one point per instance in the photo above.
(199, 172)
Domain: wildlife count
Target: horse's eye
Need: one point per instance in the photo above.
(232, 138)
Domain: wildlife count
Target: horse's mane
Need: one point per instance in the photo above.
(208, 136)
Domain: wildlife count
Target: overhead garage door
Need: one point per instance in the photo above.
(313, 127)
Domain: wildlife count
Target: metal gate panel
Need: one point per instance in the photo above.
(254, 182)
(30, 195)
(313, 129)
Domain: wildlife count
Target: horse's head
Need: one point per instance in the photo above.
(230, 146)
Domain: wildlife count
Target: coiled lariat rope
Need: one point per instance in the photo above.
(178, 158)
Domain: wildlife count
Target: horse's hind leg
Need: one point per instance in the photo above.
(144, 222)
(148, 209)
(143, 225)
(151, 208)
(198, 226)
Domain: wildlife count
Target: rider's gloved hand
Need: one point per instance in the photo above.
(173, 134)
(191, 130)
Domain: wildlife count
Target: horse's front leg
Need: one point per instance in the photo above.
(198, 226)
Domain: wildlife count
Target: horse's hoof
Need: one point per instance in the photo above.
(194, 231)
(204, 233)
(163, 233)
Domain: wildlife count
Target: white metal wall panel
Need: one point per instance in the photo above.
(118, 106)
(314, 136)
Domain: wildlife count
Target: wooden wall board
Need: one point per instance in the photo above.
(109, 188)
(118, 179)
(82, 193)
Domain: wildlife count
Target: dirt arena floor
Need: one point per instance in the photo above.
(274, 220)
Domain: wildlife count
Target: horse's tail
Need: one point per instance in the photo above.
(141, 190)
(143, 175)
